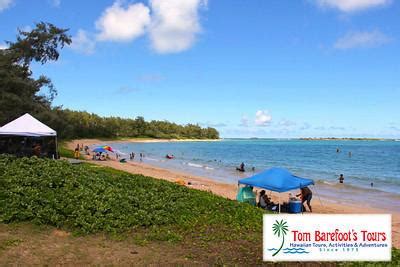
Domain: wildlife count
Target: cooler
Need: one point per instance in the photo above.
(295, 206)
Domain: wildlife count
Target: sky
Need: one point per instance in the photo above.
(249, 68)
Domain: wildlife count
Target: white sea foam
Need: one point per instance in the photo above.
(194, 165)
(151, 159)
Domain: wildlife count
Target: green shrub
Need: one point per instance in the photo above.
(89, 199)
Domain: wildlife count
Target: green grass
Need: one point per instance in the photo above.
(67, 153)
(9, 243)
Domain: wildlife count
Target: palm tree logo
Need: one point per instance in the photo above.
(280, 229)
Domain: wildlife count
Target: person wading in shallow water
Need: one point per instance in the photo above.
(241, 168)
(341, 179)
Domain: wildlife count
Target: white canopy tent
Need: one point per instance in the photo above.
(28, 126)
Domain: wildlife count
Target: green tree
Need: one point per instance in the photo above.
(20, 92)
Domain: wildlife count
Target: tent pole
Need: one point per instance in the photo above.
(56, 148)
(279, 203)
(318, 196)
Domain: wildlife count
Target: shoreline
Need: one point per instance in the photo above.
(327, 206)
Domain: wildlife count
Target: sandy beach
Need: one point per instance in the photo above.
(323, 205)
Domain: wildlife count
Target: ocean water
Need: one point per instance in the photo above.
(376, 162)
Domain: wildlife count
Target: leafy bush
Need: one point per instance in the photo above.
(88, 199)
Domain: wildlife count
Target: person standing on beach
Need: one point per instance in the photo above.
(306, 195)
(341, 179)
(76, 153)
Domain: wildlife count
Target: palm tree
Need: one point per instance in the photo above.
(280, 228)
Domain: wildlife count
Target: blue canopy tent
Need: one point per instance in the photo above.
(276, 179)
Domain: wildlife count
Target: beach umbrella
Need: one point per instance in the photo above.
(99, 150)
(108, 148)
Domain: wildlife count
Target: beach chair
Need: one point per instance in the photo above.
(246, 195)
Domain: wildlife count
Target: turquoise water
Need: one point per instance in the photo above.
(376, 162)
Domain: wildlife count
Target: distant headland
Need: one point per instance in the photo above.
(344, 139)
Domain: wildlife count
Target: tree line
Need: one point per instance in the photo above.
(22, 93)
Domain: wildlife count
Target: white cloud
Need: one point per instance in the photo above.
(175, 24)
(352, 5)
(262, 118)
(361, 39)
(4, 4)
(82, 43)
(320, 128)
(286, 123)
(56, 3)
(3, 46)
(26, 28)
(244, 122)
(305, 126)
(123, 24)
(337, 128)
(172, 26)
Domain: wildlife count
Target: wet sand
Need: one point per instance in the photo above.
(323, 205)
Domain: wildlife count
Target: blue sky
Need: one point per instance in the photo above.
(247, 67)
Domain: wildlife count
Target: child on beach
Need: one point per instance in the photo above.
(76, 153)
